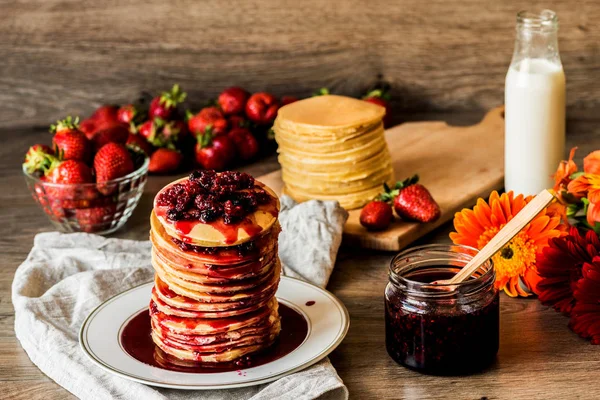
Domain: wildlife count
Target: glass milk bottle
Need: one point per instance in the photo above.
(534, 100)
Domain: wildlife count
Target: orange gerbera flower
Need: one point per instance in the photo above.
(515, 264)
(564, 171)
(586, 185)
(591, 163)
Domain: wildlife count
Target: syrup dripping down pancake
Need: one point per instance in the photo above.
(182, 302)
(213, 274)
(195, 291)
(226, 256)
(211, 326)
(199, 282)
(165, 308)
(265, 335)
(217, 233)
(201, 340)
(225, 356)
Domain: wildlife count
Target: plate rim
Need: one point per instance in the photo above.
(308, 363)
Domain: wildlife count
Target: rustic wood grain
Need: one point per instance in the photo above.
(444, 157)
(66, 57)
(539, 357)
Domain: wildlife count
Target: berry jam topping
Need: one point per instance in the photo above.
(242, 249)
(208, 195)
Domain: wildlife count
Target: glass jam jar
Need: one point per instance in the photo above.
(436, 328)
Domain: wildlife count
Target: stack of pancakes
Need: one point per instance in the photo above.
(214, 295)
(333, 148)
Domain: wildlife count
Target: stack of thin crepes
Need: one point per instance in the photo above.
(333, 148)
(214, 249)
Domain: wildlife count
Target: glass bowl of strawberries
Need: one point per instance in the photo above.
(83, 187)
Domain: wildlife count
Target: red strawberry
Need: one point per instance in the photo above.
(380, 98)
(36, 159)
(127, 113)
(163, 106)
(285, 100)
(116, 133)
(214, 152)
(412, 201)
(138, 141)
(69, 172)
(376, 215)
(262, 108)
(237, 121)
(208, 119)
(106, 113)
(233, 100)
(69, 142)
(161, 133)
(88, 127)
(112, 161)
(164, 161)
(95, 219)
(245, 143)
(147, 129)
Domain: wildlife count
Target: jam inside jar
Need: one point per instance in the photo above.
(435, 328)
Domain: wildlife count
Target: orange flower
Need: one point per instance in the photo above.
(591, 163)
(515, 264)
(586, 185)
(564, 171)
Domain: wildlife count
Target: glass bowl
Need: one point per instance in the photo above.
(100, 208)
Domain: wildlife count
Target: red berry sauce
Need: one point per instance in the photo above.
(136, 340)
(441, 338)
(207, 196)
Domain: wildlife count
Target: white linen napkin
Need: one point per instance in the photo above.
(65, 276)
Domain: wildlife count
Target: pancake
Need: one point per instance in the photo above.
(261, 329)
(218, 233)
(254, 274)
(225, 356)
(211, 326)
(330, 114)
(213, 299)
(333, 148)
(181, 302)
(244, 308)
(249, 251)
(198, 292)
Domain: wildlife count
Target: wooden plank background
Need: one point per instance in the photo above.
(61, 57)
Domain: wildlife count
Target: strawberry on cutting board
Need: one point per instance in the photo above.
(69, 142)
(412, 201)
(376, 215)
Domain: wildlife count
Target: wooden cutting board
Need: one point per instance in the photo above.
(457, 164)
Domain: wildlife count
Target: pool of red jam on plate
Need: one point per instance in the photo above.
(137, 342)
(439, 338)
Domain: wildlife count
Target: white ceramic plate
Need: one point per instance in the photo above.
(100, 339)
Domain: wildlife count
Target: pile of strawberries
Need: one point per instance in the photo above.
(80, 169)
(228, 132)
(411, 201)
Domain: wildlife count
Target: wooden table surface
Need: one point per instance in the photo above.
(539, 357)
